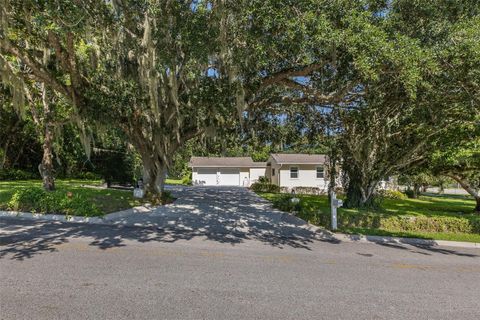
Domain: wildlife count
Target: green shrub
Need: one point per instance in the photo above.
(410, 193)
(317, 217)
(17, 174)
(306, 190)
(468, 224)
(392, 194)
(79, 207)
(36, 199)
(263, 179)
(87, 176)
(444, 224)
(187, 179)
(167, 197)
(285, 203)
(285, 190)
(265, 187)
(26, 199)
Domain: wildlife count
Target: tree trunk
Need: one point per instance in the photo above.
(4, 156)
(468, 187)
(156, 148)
(360, 194)
(19, 154)
(441, 188)
(152, 177)
(332, 172)
(46, 166)
(416, 191)
(12, 132)
(154, 169)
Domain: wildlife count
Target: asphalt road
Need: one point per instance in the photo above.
(71, 271)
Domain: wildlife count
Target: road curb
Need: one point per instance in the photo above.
(52, 217)
(411, 241)
(106, 219)
(328, 235)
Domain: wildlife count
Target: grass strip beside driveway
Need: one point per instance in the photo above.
(429, 217)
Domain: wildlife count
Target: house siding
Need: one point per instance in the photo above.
(275, 178)
(194, 174)
(255, 173)
(307, 177)
(244, 177)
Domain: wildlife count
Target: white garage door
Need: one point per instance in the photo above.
(229, 177)
(207, 176)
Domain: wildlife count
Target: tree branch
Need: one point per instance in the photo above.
(287, 73)
(38, 71)
(465, 184)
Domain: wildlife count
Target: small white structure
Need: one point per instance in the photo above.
(226, 171)
(285, 170)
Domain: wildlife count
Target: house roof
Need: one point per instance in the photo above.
(298, 158)
(225, 162)
(259, 164)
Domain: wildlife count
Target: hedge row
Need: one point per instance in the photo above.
(466, 224)
(36, 199)
(17, 174)
(264, 187)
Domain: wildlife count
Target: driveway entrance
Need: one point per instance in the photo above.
(220, 211)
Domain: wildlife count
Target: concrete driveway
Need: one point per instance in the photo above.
(227, 214)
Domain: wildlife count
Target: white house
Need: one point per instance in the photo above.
(284, 170)
(297, 170)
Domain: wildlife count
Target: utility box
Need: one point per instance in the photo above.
(337, 203)
(138, 193)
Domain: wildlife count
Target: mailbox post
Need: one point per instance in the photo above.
(138, 191)
(335, 203)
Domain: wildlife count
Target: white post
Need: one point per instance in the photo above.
(334, 210)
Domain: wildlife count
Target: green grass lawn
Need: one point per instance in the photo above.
(429, 217)
(107, 200)
(173, 181)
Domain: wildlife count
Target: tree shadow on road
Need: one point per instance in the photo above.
(223, 215)
(428, 249)
(23, 239)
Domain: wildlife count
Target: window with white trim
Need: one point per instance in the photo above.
(293, 172)
(320, 172)
(273, 172)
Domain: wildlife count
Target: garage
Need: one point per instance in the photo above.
(207, 176)
(218, 176)
(221, 171)
(229, 177)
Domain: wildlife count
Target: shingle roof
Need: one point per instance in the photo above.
(224, 162)
(298, 158)
(259, 164)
